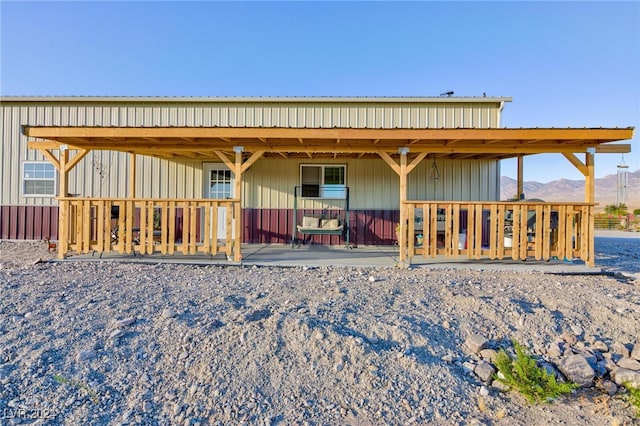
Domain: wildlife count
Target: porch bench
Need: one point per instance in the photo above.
(317, 226)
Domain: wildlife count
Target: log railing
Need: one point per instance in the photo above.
(499, 230)
(145, 226)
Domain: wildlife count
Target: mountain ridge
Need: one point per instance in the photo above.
(606, 189)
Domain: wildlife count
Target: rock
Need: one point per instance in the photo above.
(600, 346)
(476, 343)
(635, 353)
(116, 334)
(577, 330)
(629, 364)
(489, 355)
(484, 371)
(608, 387)
(177, 409)
(125, 322)
(577, 370)
(484, 391)
(621, 349)
(554, 350)
(569, 337)
(448, 358)
(169, 313)
(372, 279)
(127, 414)
(85, 355)
(600, 368)
(498, 384)
(468, 366)
(621, 376)
(549, 368)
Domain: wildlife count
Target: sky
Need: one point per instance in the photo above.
(565, 64)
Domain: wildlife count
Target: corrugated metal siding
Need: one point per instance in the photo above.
(372, 184)
(319, 115)
(274, 226)
(106, 173)
(28, 222)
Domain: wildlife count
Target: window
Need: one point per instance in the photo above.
(38, 179)
(323, 181)
(219, 184)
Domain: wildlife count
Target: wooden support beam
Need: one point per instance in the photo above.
(229, 133)
(403, 209)
(416, 161)
(618, 148)
(51, 158)
(237, 207)
(76, 159)
(390, 161)
(254, 157)
(64, 174)
(520, 177)
(225, 160)
(577, 163)
(132, 175)
(63, 219)
(589, 179)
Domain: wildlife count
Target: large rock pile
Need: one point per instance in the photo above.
(585, 360)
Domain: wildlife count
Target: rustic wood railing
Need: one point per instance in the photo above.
(499, 230)
(146, 226)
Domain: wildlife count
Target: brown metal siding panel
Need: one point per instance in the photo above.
(4, 222)
(28, 222)
(274, 226)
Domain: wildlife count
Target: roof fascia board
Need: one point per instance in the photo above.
(256, 100)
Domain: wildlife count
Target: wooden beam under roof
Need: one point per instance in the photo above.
(227, 133)
(468, 143)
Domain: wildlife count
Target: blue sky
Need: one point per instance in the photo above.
(566, 64)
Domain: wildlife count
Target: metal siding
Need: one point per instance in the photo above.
(464, 180)
(183, 179)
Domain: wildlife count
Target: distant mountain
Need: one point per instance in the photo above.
(573, 190)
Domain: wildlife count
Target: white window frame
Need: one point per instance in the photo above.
(24, 179)
(326, 191)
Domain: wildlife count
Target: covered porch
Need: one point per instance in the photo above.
(452, 228)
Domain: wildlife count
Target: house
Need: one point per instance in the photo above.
(207, 174)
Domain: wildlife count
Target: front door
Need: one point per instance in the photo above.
(218, 184)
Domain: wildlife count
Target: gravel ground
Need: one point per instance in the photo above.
(113, 343)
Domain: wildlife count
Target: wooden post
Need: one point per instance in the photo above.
(237, 210)
(132, 176)
(520, 177)
(589, 186)
(63, 219)
(590, 198)
(403, 212)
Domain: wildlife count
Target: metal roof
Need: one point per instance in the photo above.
(278, 99)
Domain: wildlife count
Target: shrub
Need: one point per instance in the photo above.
(634, 397)
(524, 375)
